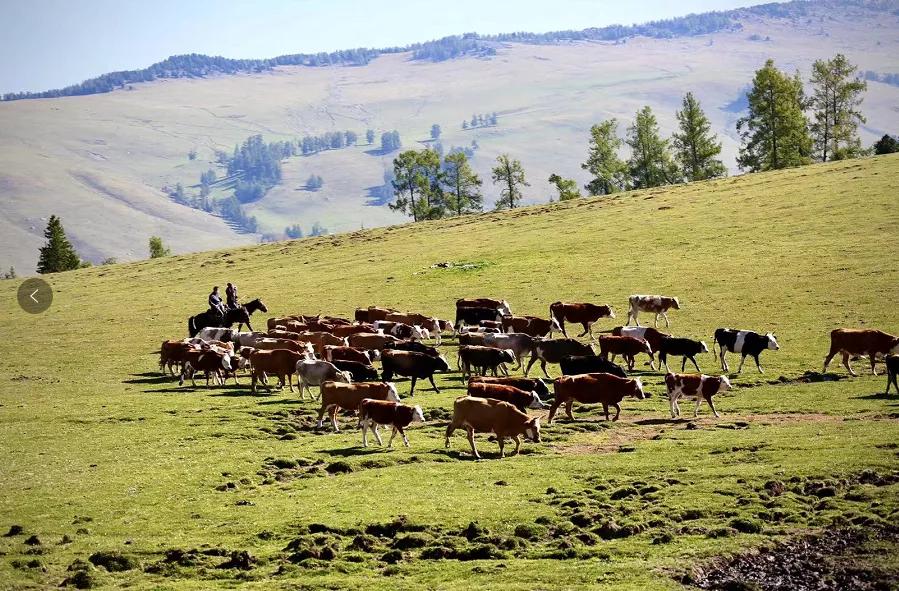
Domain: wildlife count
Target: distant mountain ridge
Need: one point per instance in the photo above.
(198, 65)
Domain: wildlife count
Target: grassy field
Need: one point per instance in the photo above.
(79, 156)
(101, 453)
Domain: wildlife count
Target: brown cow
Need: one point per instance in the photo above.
(372, 313)
(278, 362)
(429, 323)
(373, 413)
(284, 334)
(210, 362)
(371, 341)
(583, 313)
(627, 347)
(698, 387)
(527, 384)
(657, 304)
(333, 352)
(337, 395)
(592, 388)
(173, 354)
(529, 325)
(320, 339)
(500, 305)
(345, 330)
(647, 333)
(487, 415)
(860, 341)
(271, 323)
(520, 399)
(290, 345)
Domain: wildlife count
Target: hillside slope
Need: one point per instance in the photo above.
(101, 161)
(102, 449)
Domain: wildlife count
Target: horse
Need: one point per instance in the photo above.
(239, 315)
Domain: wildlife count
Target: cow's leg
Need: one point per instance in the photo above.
(665, 361)
(873, 357)
(474, 450)
(562, 328)
(672, 402)
(683, 365)
(333, 412)
(431, 379)
(321, 416)
(846, 363)
(742, 360)
(757, 364)
(502, 366)
(374, 429)
(449, 431)
(517, 440)
(364, 425)
(605, 409)
(558, 402)
(667, 323)
(712, 406)
(543, 367)
(502, 446)
(655, 322)
(696, 365)
(586, 326)
(617, 411)
(253, 382)
(827, 359)
(530, 364)
(568, 404)
(698, 404)
(403, 433)
(412, 389)
(891, 378)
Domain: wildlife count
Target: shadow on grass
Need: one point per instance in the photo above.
(349, 452)
(652, 422)
(145, 378)
(878, 396)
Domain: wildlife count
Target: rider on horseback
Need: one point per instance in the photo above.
(231, 295)
(215, 302)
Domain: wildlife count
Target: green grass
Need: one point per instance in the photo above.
(91, 430)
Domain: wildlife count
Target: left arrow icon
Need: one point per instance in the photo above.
(34, 298)
(27, 295)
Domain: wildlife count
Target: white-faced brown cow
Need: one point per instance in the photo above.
(487, 415)
(860, 341)
(584, 314)
(699, 387)
(373, 413)
(654, 304)
(338, 395)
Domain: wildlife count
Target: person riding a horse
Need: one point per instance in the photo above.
(231, 296)
(215, 302)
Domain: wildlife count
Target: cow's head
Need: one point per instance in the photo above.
(245, 352)
(441, 363)
(344, 376)
(772, 342)
(420, 334)
(638, 392)
(894, 346)
(611, 311)
(724, 384)
(703, 348)
(226, 363)
(675, 303)
(532, 430)
(392, 394)
(507, 356)
(646, 347)
(418, 415)
(536, 403)
(541, 388)
(504, 309)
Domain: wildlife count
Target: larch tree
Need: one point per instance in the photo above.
(463, 186)
(567, 187)
(650, 164)
(509, 174)
(836, 96)
(775, 132)
(57, 254)
(405, 183)
(696, 148)
(607, 169)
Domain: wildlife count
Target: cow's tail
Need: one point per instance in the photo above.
(714, 342)
(191, 326)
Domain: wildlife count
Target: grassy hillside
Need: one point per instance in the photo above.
(100, 161)
(103, 450)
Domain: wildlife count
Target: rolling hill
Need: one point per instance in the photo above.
(188, 488)
(101, 161)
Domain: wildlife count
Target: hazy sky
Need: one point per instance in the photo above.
(52, 43)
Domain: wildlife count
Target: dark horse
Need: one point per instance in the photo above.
(239, 315)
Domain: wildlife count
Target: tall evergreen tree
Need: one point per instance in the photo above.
(696, 148)
(57, 254)
(886, 145)
(834, 102)
(775, 132)
(405, 183)
(510, 175)
(603, 163)
(435, 132)
(432, 206)
(650, 164)
(567, 187)
(463, 193)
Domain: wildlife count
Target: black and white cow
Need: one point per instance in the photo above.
(744, 342)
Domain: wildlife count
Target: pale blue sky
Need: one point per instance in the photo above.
(52, 43)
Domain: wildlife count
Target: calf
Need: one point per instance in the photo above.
(319, 339)
(744, 342)
(413, 365)
(247, 339)
(520, 399)
(574, 365)
(582, 313)
(627, 347)
(656, 304)
(535, 385)
(487, 415)
(483, 359)
(860, 341)
(647, 333)
(892, 363)
(680, 347)
(333, 352)
(360, 372)
(372, 313)
(402, 331)
(284, 334)
(337, 395)
(373, 413)
(427, 323)
(291, 345)
(472, 339)
(554, 350)
(315, 373)
(529, 325)
(209, 362)
(701, 387)
(520, 344)
(594, 388)
(278, 362)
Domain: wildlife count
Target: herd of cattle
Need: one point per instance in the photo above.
(337, 355)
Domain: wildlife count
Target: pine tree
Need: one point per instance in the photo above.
(834, 102)
(435, 132)
(157, 249)
(405, 183)
(432, 205)
(567, 187)
(603, 163)
(695, 146)
(650, 164)
(57, 254)
(886, 145)
(775, 132)
(463, 194)
(510, 174)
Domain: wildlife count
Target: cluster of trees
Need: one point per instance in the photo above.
(486, 120)
(886, 145)
(332, 140)
(390, 141)
(157, 248)
(295, 231)
(453, 46)
(314, 182)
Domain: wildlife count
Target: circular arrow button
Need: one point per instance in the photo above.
(35, 295)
